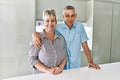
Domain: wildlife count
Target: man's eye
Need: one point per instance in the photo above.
(73, 15)
(66, 16)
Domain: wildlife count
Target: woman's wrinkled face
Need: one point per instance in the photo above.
(49, 23)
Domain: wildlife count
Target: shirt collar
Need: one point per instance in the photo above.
(57, 35)
(74, 25)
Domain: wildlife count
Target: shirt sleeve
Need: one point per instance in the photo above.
(64, 48)
(33, 55)
(66, 55)
(83, 34)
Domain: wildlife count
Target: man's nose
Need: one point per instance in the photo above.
(70, 18)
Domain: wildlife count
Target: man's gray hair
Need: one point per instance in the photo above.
(68, 7)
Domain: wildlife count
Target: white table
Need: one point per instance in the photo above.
(109, 71)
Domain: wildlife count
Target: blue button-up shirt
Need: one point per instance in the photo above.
(74, 38)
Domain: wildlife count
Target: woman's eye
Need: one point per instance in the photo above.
(53, 21)
(47, 21)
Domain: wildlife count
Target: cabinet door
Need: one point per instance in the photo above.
(115, 48)
(102, 23)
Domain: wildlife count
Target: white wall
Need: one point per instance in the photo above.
(88, 28)
(16, 27)
(58, 5)
(90, 8)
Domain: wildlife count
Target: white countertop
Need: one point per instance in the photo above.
(109, 71)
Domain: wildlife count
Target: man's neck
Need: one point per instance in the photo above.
(69, 26)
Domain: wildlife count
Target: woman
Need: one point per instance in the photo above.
(51, 57)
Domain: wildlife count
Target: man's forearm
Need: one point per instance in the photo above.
(34, 34)
(87, 52)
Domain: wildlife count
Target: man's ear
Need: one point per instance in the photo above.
(63, 16)
(75, 15)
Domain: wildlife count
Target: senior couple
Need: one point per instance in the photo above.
(57, 47)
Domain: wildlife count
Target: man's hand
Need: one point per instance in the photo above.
(93, 65)
(37, 39)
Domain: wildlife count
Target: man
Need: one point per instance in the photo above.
(75, 37)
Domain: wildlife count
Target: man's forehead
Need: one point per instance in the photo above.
(69, 11)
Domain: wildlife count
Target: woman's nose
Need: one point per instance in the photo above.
(50, 23)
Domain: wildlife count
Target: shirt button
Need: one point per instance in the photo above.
(56, 56)
(55, 51)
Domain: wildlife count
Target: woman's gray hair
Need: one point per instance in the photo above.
(49, 12)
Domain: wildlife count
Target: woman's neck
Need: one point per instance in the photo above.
(50, 35)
